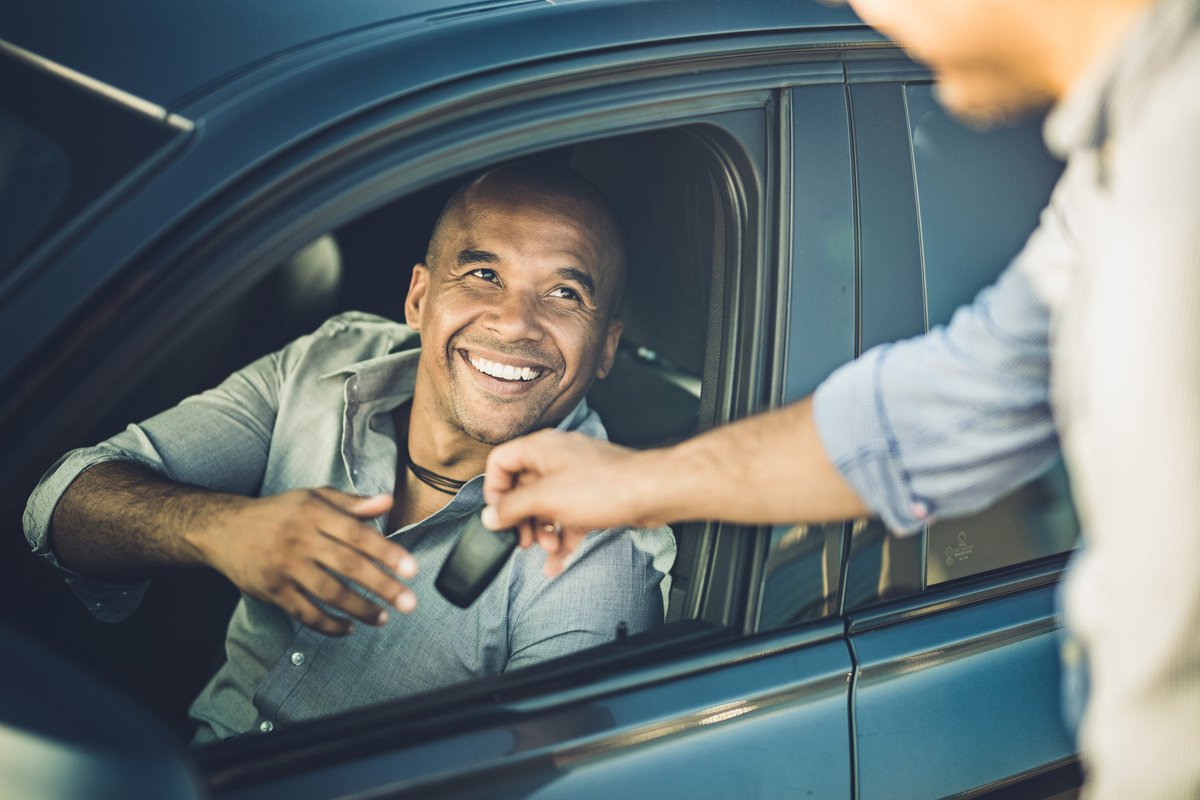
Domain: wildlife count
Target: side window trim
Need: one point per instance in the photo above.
(802, 569)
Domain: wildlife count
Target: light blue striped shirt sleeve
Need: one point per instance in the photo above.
(943, 424)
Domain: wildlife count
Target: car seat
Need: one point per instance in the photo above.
(666, 190)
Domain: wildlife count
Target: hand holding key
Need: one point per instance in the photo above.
(554, 488)
(292, 549)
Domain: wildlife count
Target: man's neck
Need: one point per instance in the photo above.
(1086, 32)
(437, 445)
(431, 444)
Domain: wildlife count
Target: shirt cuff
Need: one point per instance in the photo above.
(851, 422)
(108, 602)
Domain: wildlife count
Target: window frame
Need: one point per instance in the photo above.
(878, 90)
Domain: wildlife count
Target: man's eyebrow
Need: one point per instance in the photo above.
(475, 257)
(579, 276)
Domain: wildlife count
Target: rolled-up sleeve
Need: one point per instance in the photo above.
(218, 440)
(943, 424)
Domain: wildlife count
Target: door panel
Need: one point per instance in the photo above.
(747, 726)
(793, 742)
(957, 699)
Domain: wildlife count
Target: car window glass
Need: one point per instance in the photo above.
(802, 578)
(34, 176)
(978, 197)
(979, 194)
(51, 165)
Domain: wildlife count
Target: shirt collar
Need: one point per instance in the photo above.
(381, 380)
(1111, 89)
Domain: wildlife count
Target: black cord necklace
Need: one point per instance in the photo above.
(431, 478)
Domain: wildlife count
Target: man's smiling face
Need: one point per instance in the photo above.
(514, 310)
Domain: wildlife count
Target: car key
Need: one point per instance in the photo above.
(474, 562)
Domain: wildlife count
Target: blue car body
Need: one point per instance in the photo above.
(826, 662)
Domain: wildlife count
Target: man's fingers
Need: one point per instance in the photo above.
(489, 519)
(520, 458)
(306, 612)
(525, 537)
(357, 551)
(367, 573)
(549, 536)
(333, 593)
(554, 565)
(359, 536)
(513, 508)
(504, 464)
(320, 584)
(569, 540)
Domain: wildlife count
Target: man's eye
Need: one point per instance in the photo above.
(486, 274)
(566, 293)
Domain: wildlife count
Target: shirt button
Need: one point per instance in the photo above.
(266, 726)
(297, 658)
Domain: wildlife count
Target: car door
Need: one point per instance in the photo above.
(710, 704)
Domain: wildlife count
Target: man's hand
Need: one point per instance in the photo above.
(769, 468)
(292, 549)
(555, 488)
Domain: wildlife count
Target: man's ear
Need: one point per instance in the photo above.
(611, 339)
(414, 303)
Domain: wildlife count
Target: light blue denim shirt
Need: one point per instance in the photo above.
(317, 413)
(943, 424)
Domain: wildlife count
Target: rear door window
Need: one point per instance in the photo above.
(979, 195)
(62, 146)
(942, 210)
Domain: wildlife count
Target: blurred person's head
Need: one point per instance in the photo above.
(996, 59)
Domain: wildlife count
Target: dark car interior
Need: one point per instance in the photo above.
(671, 193)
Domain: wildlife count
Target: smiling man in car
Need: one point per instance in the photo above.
(284, 477)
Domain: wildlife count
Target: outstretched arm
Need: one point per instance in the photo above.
(941, 424)
(119, 521)
(768, 468)
(181, 489)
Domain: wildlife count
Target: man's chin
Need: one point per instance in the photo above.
(494, 431)
(495, 438)
(984, 111)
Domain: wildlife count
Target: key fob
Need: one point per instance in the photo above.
(474, 562)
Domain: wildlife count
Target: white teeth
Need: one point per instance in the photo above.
(504, 371)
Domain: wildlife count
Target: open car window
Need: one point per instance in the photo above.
(672, 194)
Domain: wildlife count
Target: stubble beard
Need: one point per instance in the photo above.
(492, 430)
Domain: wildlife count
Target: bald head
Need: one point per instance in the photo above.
(537, 185)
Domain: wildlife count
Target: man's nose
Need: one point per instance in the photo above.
(515, 317)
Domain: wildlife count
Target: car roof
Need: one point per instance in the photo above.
(170, 52)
